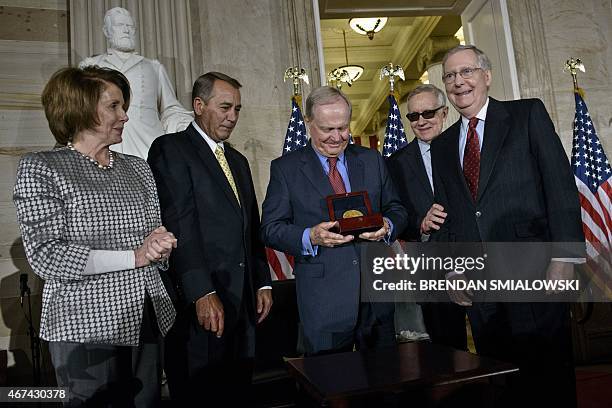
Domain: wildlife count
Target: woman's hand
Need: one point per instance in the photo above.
(157, 246)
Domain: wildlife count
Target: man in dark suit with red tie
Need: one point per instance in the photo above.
(502, 176)
(219, 269)
(295, 219)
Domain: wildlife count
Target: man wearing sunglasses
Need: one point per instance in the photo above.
(502, 175)
(411, 171)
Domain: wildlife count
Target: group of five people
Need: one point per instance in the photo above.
(120, 273)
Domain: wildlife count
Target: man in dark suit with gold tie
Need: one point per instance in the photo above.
(502, 175)
(219, 271)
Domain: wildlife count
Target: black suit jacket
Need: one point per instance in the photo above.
(412, 184)
(526, 189)
(218, 240)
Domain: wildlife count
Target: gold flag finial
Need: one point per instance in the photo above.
(296, 74)
(571, 66)
(392, 72)
(338, 76)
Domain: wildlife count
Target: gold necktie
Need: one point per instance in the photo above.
(225, 167)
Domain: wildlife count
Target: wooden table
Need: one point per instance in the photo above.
(338, 379)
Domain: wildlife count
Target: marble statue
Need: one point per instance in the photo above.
(154, 109)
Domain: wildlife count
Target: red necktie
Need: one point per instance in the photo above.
(335, 179)
(471, 158)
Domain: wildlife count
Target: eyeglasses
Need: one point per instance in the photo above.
(466, 73)
(428, 114)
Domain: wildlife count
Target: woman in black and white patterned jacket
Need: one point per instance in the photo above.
(91, 228)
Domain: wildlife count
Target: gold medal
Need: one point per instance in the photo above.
(352, 214)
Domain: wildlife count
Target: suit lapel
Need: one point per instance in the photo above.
(312, 170)
(210, 162)
(416, 163)
(454, 131)
(356, 169)
(240, 179)
(497, 127)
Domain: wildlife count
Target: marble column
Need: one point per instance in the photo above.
(255, 42)
(434, 74)
(545, 34)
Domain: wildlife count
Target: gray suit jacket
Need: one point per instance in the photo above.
(328, 285)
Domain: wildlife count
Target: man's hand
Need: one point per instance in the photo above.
(264, 303)
(377, 235)
(559, 271)
(209, 310)
(460, 297)
(321, 235)
(433, 219)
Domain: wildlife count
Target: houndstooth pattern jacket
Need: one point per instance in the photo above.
(66, 206)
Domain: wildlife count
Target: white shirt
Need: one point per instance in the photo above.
(426, 155)
(479, 130)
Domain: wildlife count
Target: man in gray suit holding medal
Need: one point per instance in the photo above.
(296, 220)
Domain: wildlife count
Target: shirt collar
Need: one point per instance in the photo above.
(480, 115)
(211, 143)
(423, 146)
(323, 159)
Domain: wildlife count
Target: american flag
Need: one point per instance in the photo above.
(395, 137)
(295, 137)
(592, 174)
(281, 264)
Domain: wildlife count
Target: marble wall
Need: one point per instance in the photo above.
(545, 34)
(33, 44)
(256, 48)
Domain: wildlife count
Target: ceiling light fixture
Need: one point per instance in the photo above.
(368, 26)
(346, 73)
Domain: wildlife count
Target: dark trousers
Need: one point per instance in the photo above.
(537, 338)
(204, 370)
(102, 375)
(371, 331)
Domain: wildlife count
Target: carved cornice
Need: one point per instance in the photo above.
(433, 50)
(406, 46)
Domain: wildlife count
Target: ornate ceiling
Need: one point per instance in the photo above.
(416, 34)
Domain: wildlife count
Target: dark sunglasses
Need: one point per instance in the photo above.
(428, 114)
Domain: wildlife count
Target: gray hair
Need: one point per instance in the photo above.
(483, 61)
(110, 13)
(203, 86)
(428, 88)
(325, 95)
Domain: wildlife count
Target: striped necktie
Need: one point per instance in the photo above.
(335, 179)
